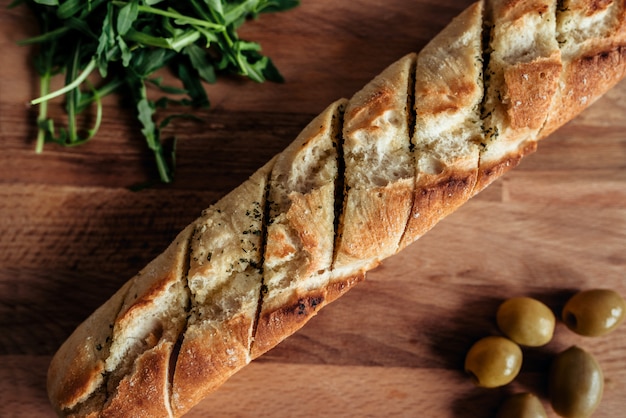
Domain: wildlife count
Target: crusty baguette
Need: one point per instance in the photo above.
(364, 179)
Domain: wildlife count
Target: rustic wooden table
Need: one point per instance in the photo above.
(71, 231)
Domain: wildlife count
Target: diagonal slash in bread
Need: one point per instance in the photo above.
(366, 178)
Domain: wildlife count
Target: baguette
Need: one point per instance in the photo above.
(367, 177)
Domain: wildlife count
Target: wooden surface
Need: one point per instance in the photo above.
(71, 231)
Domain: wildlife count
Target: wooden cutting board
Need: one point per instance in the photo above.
(71, 230)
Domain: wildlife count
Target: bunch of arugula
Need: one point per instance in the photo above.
(126, 42)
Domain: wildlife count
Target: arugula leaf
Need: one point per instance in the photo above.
(127, 15)
(201, 62)
(126, 42)
(191, 81)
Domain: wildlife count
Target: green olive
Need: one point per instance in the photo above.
(493, 361)
(526, 321)
(594, 312)
(575, 383)
(522, 405)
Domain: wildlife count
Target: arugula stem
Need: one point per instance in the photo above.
(44, 88)
(44, 126)
(185, 40)
(164, 171)
(91, 132)
(96, 127)
(147, 40)
(72, 97)
(151, 133)
(175, 15)
(45, 36)
(103, 91)
(68, 87)
(199, 10)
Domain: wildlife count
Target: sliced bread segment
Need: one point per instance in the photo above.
(448, 94)
(224, 282)
(592, 38)
(300, 230)
(524, 66)
(139, 324)
(379, 168)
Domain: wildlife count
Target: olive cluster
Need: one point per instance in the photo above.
(575, 377)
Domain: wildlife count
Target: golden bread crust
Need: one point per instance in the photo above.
(530, 87)
(274, 325)
(437, 199)
(378, 219)
(586, 79)
(131, 398)
(215, 350)
(495, 169)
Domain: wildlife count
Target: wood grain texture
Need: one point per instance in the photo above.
(71, 232)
